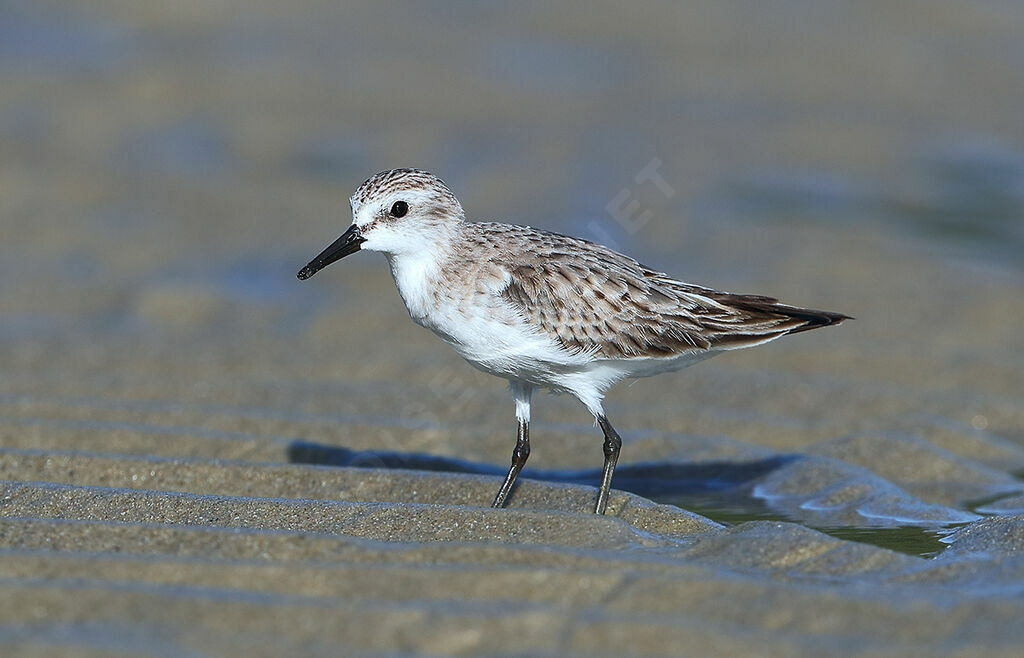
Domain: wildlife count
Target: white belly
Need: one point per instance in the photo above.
(496, 341)
(486, 331)
(478, 323)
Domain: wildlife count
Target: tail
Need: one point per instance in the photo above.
(815, 319)
(809, 317)
(755, 320)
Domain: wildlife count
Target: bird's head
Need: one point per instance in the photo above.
(397, 212)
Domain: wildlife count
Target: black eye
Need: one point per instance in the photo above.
(399, 209)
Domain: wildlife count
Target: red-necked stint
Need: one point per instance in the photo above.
(546, 310)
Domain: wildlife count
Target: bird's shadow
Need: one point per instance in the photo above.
(661, 481)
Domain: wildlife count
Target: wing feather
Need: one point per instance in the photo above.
(594, 300)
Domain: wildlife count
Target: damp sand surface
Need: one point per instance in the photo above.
(201, 455)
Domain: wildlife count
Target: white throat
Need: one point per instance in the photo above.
(415, 274)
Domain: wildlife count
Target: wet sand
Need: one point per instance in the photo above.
(200, 455)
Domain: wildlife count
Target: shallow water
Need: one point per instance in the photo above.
(910, 540)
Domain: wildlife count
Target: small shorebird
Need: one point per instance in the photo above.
(546, 310)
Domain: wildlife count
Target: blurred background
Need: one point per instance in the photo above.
(166, 168)
(168, 388)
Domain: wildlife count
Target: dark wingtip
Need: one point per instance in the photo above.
(305, 273)
(829, 318)
(817, 319)
(812, 318)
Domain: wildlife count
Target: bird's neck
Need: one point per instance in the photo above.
(416, 273)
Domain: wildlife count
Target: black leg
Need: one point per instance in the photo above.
(519, 457)
(612, 446)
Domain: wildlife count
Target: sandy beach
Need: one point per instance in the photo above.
(202, 456)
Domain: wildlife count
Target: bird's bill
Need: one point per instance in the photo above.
(348, 243)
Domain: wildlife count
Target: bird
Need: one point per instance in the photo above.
(545, 310)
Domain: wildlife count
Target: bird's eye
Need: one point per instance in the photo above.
(399, 209)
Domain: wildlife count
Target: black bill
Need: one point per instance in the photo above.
(348, 243)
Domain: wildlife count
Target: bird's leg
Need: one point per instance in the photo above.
(612, 446)
(519, 457)
(522, 393)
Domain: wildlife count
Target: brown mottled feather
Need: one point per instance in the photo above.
(594, 300)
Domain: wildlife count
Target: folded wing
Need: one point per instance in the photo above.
(596, 301)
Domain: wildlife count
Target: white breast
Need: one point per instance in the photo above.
(478, 323)
(412, 275)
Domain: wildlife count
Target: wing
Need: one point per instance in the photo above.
(594, 300)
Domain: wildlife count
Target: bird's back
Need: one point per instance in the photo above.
(595, 301)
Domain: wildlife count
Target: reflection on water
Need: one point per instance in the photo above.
(911, 540)
(733, 509)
